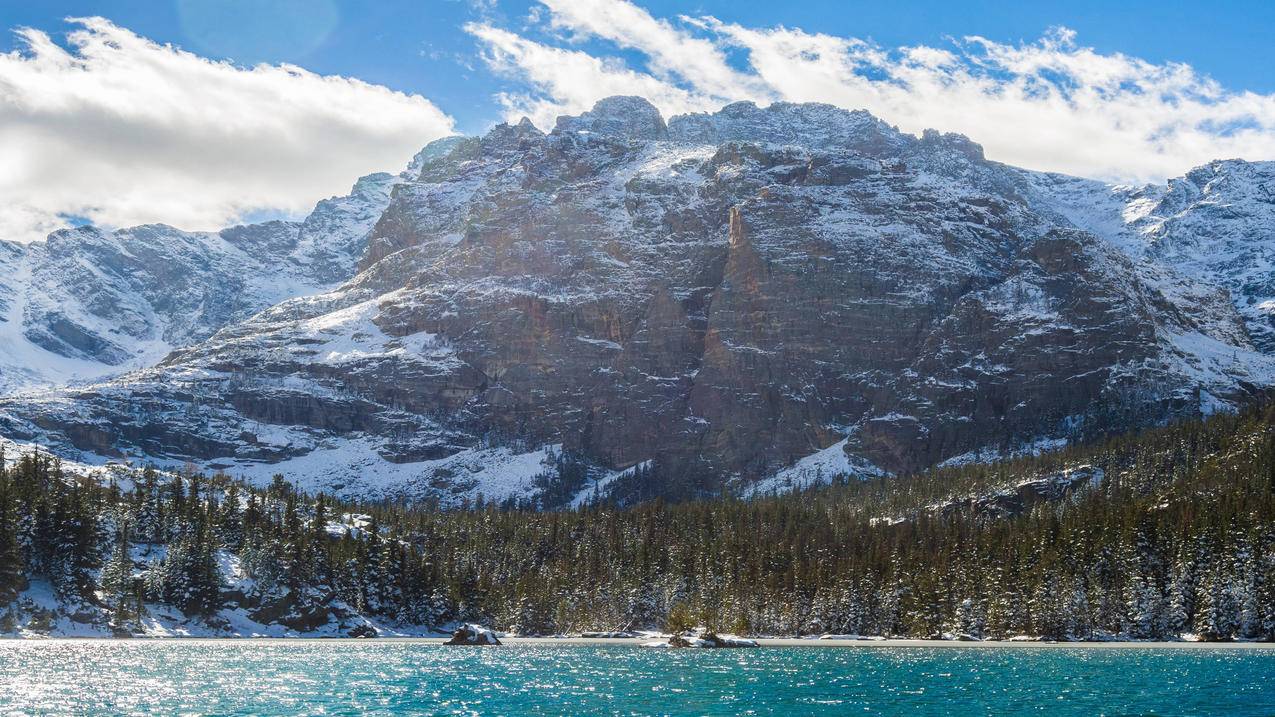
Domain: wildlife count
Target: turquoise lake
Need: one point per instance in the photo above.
(386, 678)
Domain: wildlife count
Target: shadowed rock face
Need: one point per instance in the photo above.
(723, 293)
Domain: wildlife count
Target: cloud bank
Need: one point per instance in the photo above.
(120, 130)
(1052, 104)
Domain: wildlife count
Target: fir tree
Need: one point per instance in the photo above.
(12, 565)
(117, 578)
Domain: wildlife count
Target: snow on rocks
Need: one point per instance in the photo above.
(86, 304)
(490, 473)
(470, 634)
(818, 468)
(705, 639)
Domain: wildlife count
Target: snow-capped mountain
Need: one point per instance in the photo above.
(743, 300)
(1215, 225)
(87, 304)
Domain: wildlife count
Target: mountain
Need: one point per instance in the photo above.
(87, 303)
(739, 301)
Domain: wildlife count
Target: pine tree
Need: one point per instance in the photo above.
(316, 552)
(1147, 609)
(189, 578)
(1080, 626)
(293, 565)
(117, 578)
(262, 559)
(84, 539)
(12, 565)
(372, 577)
(1216, 616)
(149, 524)
(230, 527)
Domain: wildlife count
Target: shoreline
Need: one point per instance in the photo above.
(869, 643)
(763, 642)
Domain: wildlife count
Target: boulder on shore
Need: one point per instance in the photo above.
(707, 640)
(364, 630)
(473, 635)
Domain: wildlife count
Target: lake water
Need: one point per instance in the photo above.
(385, 678)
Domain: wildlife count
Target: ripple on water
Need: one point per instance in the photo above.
(387, 678)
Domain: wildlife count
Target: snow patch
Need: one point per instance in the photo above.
(818, 468)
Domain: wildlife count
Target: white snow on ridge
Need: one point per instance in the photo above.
(350, 334)
(818, 468)
(991, 455)
(87, 304)
(1102, 209)
(25, 365)
(1215, 225)
(1208, 362)
(352, 468)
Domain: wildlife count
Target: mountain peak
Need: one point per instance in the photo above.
(808, 124)
(952, 141)
(618, 116)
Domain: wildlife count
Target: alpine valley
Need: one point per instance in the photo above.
(630, 306)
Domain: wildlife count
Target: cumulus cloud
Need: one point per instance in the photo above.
(1053, 104)
(120, 130)
(570, 81)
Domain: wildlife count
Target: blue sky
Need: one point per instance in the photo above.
(419, 45)
(191, 112)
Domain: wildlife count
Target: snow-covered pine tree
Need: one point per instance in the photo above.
(1217, 614)
(189, 578)
(229, 518)
(373, 584)
(149, 523)
(1079, 619)
(12, 565)
(116, 579)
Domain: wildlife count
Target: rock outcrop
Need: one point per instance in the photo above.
(473, 635)
(706, 640)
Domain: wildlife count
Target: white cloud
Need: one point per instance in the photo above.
(1052, 104)
(673, 53)
(570, 81)
(122, 130)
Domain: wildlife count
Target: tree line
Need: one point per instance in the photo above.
(1171, 532)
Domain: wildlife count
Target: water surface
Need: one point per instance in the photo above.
(67, 677)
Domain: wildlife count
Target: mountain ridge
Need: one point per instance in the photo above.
(73, 301)
(727, 294)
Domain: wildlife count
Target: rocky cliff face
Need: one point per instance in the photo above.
(730, 301)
